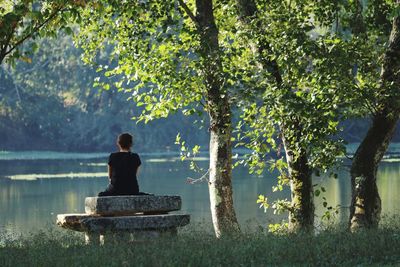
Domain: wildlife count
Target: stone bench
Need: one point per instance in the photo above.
(126, 217)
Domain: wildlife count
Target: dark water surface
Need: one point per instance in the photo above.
(33, 192)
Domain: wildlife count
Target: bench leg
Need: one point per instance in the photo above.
(92, 238)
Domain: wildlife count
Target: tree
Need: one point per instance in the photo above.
(218, 107)
(366, 204)
(305, 90)
(170, 58)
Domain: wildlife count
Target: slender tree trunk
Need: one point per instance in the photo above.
(220, 182)
(365, 206)
(301, 212)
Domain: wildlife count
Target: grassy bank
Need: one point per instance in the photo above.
(331, 247)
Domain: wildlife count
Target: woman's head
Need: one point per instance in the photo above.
(125, 141)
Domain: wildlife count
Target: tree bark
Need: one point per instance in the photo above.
(220, 182)
(218, 106)
(301, 211)
(365, 206)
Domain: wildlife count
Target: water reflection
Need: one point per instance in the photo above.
(28, 205)
(389, 187)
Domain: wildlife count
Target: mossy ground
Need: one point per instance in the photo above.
(195, 246)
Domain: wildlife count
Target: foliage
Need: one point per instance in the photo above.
(82, 118)
(278, 228)
(317, 84)
(305, 87)
(28, 19)
(263, 201)
(189, 153)
(321, 71)
(154, 50)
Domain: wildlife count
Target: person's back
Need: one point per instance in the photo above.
(123, 167)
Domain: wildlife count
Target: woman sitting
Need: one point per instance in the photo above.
(123, 167)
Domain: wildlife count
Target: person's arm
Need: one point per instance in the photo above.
(110, 167)
(109, 172)
(139, 162)
(137, 171)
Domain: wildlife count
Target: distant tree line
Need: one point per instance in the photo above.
(49, 103)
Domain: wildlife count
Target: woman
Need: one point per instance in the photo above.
(123, 167)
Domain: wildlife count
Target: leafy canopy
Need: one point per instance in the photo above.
(21, 20)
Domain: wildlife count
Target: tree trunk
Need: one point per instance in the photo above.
(218, 106)
(220, 185)
(365, 206)
(301, 212)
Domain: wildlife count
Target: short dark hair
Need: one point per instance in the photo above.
(125, 140)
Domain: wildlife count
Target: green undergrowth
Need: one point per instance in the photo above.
(196, 246)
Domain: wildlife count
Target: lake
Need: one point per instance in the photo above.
(36, 186)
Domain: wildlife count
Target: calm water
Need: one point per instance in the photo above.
(33, 192)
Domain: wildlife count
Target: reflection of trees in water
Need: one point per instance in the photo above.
(339, 190)
(389, 187)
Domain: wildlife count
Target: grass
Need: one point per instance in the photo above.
(198, 247)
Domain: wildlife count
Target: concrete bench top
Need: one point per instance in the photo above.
(97, 224)
(129, 205)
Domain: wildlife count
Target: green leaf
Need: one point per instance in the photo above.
(317, 192)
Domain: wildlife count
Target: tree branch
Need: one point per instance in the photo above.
(35, 29)
(189, 13)
(3, 52)
(248, 9)
(358, 25)
(36, 66)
